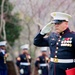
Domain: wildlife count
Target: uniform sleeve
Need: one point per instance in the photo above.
(73, 44)
(30, 60)
(1, 54)
(37, 62)
(73, 39)
(39, 40)
(17, 62)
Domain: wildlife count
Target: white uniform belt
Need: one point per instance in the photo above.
(56, 60)
(22, 63)
(43, 65)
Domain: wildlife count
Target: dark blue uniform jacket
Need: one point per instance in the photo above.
(42, 60)
(62, 46)
(27, 68)
(3, 65)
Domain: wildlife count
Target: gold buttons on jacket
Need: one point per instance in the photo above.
(56, 51)
(55, 56)
(57, 43)
(56, 47)
(62, 32)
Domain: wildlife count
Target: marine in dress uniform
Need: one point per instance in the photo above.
(41, 63)
(61, 43)
(3, 56)
(24, 61)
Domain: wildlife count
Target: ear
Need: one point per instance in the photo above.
(66, 23)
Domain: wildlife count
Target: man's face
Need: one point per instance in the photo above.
(25, 51)
(59, 27)
(3, 47)
(43, 53)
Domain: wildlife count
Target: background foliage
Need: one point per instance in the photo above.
(12, 26)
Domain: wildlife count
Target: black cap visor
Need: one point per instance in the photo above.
(58, 21)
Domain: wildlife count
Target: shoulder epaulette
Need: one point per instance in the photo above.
(72, 32)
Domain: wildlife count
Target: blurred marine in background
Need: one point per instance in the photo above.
(23, 61)
(61, 44)
(3, 57)
(41, 63)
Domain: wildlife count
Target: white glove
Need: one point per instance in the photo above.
(21, 71)
(47, 28)
(3, 51)
(39, 71)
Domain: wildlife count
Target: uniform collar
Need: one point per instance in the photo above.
(65, 31)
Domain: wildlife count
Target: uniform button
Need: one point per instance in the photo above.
(56, 51)
(62, 32)
(51, 43)
(57, 43)
(60, 36)
(55, 56)
(70, 45)
(56, 47)
(59, 40)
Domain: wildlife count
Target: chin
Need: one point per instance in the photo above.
(57, 31)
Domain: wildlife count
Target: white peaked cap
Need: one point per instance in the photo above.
(26, 46)
(44, 49)
(3, 43)
(60, 16)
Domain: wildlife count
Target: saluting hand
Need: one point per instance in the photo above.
(47, 28)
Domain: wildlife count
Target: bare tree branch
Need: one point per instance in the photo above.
(4, 32)
(2, 10)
